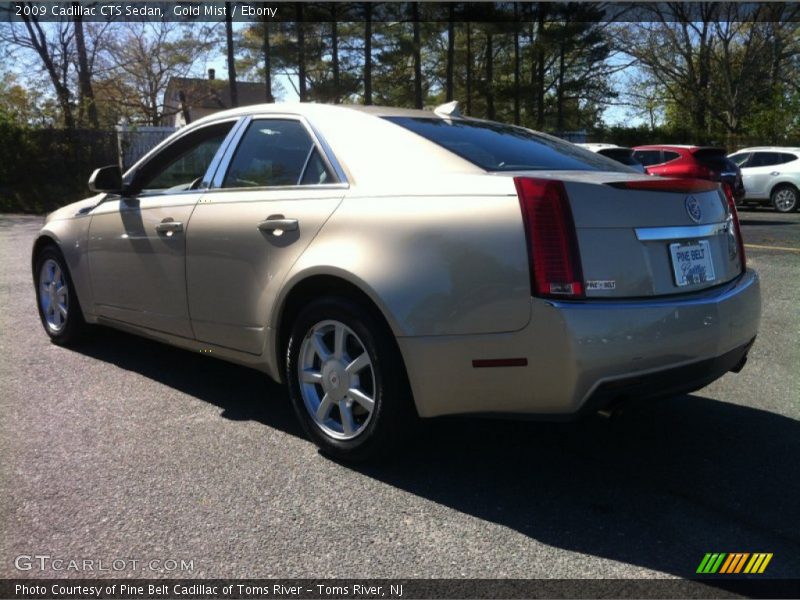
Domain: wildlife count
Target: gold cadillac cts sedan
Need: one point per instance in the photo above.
(389, 264)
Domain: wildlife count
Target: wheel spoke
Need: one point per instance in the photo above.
(311, 376)
(338, 340)
(348, 424)
(62, 310)
(358, 364)
(358, 396)
(324, 409)
(319, 347)
(62, 291)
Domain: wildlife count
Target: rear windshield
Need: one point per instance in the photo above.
(715, 159)
(498, 147)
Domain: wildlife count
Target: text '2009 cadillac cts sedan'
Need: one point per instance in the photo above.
(387, 264)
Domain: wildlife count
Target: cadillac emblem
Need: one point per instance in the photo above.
(693, 208)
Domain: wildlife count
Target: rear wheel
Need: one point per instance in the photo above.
(346, 380)
(784, 198)
(59, 309)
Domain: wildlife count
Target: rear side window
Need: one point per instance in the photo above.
(275, 152)
(648, 157)
(498, 147)
(766, 159)
(670, 155)
(785, 158)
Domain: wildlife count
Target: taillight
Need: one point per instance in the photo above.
(736, 228)
(553, 257)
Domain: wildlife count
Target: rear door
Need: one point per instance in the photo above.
(137, 242)
(760, 169)
(275, 189)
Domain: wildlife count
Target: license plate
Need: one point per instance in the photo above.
(692, 263)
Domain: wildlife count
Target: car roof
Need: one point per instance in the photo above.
(768, 149)
(598, 146)
(367, 146)
(308, 109)
(692, 149)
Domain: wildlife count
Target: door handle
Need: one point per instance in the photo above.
(774, 173)
(277, 224)
(168, 226)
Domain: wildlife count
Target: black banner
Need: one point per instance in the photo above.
(283, 10)
(327, 589)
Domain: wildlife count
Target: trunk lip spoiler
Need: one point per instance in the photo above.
(666, 185)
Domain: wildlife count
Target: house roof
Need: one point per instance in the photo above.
(212, 93)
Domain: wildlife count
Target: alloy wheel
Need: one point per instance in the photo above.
(53, 295)
(337, 380)
(785, 200)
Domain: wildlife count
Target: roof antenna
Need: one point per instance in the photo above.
(450, 109)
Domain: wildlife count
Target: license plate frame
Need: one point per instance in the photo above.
(692, 263)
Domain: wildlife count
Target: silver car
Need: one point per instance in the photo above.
(771, 176)
(389, 264)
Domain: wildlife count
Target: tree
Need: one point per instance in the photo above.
(417, 56)
(142, 58)
(231, 61)
(54, 50)
(86, 99)
(367, 53)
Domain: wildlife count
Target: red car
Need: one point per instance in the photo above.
(692, 162)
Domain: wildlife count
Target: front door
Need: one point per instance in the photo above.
(137, 242)
(252, 226)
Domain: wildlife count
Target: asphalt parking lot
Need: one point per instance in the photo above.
(127, 449)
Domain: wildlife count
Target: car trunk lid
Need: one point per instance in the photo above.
(640, 237)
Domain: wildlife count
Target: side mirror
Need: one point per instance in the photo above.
(106, 179)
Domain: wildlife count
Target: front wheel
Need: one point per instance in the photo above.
(346, 380)
(784, 198)
(56, 299)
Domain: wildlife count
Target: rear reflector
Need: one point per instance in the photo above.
(736, 228)
(483, 363)
(662, 184)
(555, 265)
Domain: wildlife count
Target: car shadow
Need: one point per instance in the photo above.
(657, 487)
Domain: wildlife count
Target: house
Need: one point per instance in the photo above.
(188, 99)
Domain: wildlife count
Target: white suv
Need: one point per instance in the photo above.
(771, 175)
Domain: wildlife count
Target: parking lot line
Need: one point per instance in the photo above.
(781, 248)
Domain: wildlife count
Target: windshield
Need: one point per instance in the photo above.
(497, 147)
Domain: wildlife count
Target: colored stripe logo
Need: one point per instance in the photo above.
(724, 563)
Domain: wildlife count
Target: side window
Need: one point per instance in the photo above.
(740, 159)
(785, 158)
(275, 152)
(648, 157)
(182, 164)
(765, 159)
(316, 171)
(669, 155)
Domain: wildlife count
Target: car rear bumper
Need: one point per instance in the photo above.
(579, 356)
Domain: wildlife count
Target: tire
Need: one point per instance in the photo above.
(56, 300)
(784, 198)
(354, 401)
